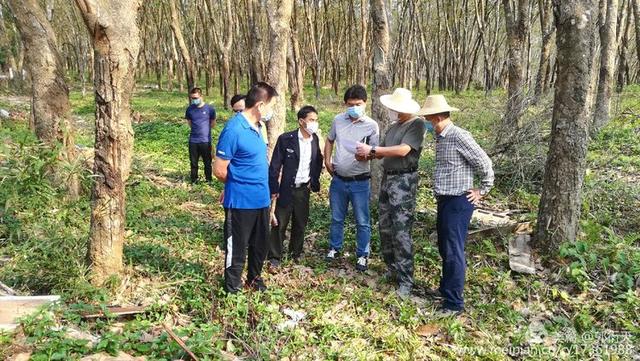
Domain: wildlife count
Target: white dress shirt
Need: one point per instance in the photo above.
(304, 167)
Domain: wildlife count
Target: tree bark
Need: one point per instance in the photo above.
(636, 18)
(548, 30)
(116, 42)
(256, 71)
(608, 47)
(190, 70)
(559, 209)
(517, 25)
(50, 107)
(381, 78)
(279, 12)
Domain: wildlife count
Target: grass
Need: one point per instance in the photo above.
(589, 294)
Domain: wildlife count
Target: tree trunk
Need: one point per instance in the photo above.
(517, 25)
(608, 47)
(279, 19)
(256, 65)
(548, 29)
(381, 78)
(559, 209)
(50, 107)
(116, 43)
(190, 70)
(294, 65)
(636, 18)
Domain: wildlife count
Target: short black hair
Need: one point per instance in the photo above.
(356, 92)
(196, 90)
(259, 92)
(236, 98)
(305, 110)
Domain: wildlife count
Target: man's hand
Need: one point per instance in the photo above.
(274, 220)
(221, 200)
(329, 167)
(363, 150)
(362, 158)
(474, 196)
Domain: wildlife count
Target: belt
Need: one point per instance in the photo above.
(400, 171)
(358, 177)
(300, 185)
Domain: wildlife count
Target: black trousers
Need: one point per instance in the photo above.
(197, 151)
(297, 212)
(245, 236)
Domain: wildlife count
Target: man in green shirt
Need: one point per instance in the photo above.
(400, 150)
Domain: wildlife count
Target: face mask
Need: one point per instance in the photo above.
(196, 101)
(312, 127)
(356, 111)
(429, 127)
(266, 117)
(393, 115)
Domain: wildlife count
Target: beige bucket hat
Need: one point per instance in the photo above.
(436, 104)
(400, 101)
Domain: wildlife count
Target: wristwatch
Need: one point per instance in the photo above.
(373, 151)
(483, 191)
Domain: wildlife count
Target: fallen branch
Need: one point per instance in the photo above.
(114, 311)
(6, 290)
(179, 341)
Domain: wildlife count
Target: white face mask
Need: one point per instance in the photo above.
(312, 127)
(393, 115)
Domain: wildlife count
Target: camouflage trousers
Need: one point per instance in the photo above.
(396, 207)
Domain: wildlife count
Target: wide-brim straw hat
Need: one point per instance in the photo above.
(400, 101)
(436, 104)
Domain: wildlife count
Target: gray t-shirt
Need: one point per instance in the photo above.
(346, 134)
(410, 133)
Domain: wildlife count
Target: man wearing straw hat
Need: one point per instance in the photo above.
(458, 159)
(400, 150)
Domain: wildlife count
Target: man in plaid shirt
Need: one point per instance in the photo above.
(458, 159)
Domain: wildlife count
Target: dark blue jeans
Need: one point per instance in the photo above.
(454, 215)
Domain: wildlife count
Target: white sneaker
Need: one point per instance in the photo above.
(361, 264)
(331, 256)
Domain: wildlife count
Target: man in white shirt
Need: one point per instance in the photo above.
(294, 172)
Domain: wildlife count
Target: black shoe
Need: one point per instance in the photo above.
(433, 293)
(274, 263)
(257, 285)
(443, 312)
(362, 264)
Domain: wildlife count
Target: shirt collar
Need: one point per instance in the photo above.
(247, 125)
(446, 130)
(302, 138)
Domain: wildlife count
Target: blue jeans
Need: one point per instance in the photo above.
(454, 215)
(340, 194)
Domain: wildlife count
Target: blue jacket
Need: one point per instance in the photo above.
(285, 159)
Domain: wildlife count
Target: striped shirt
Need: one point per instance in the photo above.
(458, 159)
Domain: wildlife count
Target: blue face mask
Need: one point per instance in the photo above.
(355, 111)
(429, 127)
(196, 101)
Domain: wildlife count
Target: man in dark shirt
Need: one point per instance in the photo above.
(201, 117)
(401, 148)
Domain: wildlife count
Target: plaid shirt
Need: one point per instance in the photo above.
(458, 158)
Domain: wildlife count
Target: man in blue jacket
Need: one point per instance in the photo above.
(294, 172)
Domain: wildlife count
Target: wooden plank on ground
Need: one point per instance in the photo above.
(14, 307)
(114, 311)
